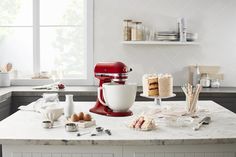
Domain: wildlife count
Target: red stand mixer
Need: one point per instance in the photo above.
(110, 72)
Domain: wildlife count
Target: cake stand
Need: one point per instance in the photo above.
(157, 99)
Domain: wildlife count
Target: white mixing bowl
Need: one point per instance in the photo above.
(118, 97)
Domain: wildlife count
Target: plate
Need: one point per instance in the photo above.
(153, 125)
(158, 97)
(140, 129)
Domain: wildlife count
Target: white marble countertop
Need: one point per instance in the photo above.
(24, 127)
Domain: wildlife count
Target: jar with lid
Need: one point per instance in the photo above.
(215, 83)
(127, 26)
(137, 31)
(205, 80)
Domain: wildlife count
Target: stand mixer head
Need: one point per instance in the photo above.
(108, 72)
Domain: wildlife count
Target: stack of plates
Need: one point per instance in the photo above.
(174, 36)
(167, 36)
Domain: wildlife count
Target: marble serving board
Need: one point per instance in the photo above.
(24, 127)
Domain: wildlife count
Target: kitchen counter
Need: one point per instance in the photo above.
(29, 130)
(24, 129)
(92, 90)
(23, 95)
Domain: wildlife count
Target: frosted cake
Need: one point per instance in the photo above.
(150, 85)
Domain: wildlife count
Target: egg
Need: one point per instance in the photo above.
(87, 117)
(80, 116)
(74, 118)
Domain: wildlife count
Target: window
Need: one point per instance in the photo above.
(52, 36)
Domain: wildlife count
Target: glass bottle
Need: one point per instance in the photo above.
(69, 106)
(196, 75)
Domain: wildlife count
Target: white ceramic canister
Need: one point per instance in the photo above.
(69, 106)
(4, 79)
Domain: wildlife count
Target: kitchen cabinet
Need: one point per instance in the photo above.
(62, 151)
(178, 151)
(5, 106)
(21, 101)
(120, 151)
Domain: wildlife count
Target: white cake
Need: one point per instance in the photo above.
(165, 82)
(150, 85)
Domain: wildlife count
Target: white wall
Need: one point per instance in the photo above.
(213, 20)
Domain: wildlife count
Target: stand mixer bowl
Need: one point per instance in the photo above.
(118, 97)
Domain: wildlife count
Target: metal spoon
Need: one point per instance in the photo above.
(205, 120)
(99, 131)
(108, 132)
(83, 133)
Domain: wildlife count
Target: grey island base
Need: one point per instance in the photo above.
(22, 135)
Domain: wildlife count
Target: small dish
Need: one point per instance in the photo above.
(71, 127)
(140, 129)
(47, 124)
(148, 124)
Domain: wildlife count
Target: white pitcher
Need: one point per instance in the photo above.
(69, 106)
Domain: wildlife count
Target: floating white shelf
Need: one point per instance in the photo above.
(159, 43)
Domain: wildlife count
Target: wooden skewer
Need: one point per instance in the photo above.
(192, 96)
(195, 98)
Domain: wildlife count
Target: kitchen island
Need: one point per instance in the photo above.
(22, 135)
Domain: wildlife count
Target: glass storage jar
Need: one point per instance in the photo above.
(127, 26)
(205, 80)
(137, 31)
(215, 83)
